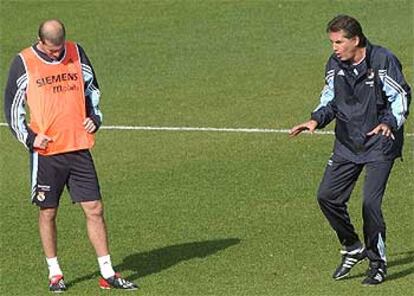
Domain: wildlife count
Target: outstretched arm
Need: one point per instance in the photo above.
(324, 113)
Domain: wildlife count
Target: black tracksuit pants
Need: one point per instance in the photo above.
(334, 193)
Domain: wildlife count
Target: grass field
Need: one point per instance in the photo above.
(205, 213)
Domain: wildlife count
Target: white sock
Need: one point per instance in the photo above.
(105, 266)
(54, 268)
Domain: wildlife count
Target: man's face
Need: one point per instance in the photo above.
(52, 51)
(344, 48)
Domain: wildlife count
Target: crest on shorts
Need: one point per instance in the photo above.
(41, 196)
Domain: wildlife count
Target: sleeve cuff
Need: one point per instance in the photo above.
(391, 122)
(30, 139)
(97, 121)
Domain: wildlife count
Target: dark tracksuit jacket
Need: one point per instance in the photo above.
(359, 97)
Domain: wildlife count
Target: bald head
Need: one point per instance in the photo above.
(52, 31)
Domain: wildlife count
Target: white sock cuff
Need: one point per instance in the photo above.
(53, 266)
(105, 266)
(52, 261)
(103, 259)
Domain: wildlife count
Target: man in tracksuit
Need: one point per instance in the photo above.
(365, 91)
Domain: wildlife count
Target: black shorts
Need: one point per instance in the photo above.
(51, 173)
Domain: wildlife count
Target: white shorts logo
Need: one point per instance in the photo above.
(41, 196)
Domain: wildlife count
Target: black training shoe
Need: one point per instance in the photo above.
(57, 284)
(349, 259)
(116, 282)
(376, 273)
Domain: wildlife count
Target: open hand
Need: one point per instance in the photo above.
(308, 125)
(382, 128)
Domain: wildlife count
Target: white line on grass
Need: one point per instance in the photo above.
(197, 129)
(204, 129)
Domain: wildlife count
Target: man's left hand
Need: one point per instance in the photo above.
(382, 128)
(89, 125)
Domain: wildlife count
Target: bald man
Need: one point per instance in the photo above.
(55, 79)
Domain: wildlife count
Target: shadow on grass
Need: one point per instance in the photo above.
(146, 263)
(408, 258)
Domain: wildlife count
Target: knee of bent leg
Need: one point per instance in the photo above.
(324, 194)
(93, 209)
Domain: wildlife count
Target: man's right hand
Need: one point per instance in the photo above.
(41, 141)
(308, 125)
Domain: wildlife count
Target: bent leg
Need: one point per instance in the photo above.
(334, 193)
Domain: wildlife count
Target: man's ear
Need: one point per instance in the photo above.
(357, 40)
